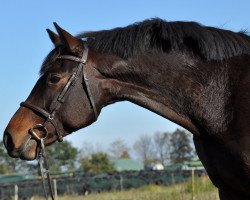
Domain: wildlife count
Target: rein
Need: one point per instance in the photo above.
(44, 169)
(49, 115)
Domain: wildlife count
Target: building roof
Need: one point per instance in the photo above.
(15, 178)
(127, 165)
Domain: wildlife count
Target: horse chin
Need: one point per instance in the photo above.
(30, 150)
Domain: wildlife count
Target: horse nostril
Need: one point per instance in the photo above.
(8, 142)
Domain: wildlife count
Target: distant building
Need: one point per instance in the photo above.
(15, 178)
(154, 166)
(127, 165)
(195, 164)
(157, 166)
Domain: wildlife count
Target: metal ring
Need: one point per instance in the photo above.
(42, 128)
(50, 117)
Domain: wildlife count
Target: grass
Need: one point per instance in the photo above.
(204, 190)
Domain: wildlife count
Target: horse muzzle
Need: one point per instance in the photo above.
(26, 149)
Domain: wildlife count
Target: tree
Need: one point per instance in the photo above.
(162, 147)
(87, 150)
(144, 148)
(61, 156)
(118, 149)
(125, 155)
(98, 162)
(181, 147)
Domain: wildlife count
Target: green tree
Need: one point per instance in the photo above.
(118, 149)
(61, 156)
(87, 150)
(98, 162)
(162, 147)
(181, 147)
(4, 167)
(125, 155)
(145, 149)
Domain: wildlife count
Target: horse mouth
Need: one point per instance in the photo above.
(30, 150)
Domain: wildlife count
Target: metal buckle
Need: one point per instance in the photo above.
(50, 117)
(40, 128)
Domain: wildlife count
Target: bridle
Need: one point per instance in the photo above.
(59, 100)
(55, 105)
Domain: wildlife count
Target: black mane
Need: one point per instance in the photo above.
(208, 43)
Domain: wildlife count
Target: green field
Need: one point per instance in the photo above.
(204, 190)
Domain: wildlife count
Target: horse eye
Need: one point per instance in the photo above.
(54, 79)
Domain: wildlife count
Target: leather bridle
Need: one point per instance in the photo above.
(55, 105)
(59, 100)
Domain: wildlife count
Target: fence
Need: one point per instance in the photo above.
(82, 184)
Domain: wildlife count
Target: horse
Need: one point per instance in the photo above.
(194, 75)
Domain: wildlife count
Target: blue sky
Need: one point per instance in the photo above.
(24, 45)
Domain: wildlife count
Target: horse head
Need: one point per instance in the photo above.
(63, 100)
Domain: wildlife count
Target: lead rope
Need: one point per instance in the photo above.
(42, 159)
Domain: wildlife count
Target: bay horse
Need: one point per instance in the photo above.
(193, 75)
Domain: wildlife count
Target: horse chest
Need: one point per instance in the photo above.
(228, 165)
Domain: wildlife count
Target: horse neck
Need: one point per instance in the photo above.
(152, 82)
(188, 91)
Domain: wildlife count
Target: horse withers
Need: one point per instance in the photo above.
(193, 75)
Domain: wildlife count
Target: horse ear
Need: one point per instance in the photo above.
(54, 37)
(70, 41)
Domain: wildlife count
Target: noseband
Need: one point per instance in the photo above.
(59, 100)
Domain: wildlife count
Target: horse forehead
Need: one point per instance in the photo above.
(54, 67)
